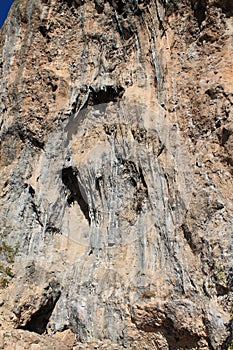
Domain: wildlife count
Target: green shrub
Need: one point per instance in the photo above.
(8, 251)
(3, 282)
(7, 255)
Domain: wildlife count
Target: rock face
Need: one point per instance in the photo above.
(116, 174)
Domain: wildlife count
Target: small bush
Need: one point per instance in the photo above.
(3, 282)
(8, 252)
(7, 255)
(8, 271)
(147, 293)
(219, 273)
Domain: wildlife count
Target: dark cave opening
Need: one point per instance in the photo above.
(39, 320)
(226, 6)
(77, 193)
(199, 8)
(105, 94)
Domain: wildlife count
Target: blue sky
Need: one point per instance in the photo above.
(4, 8)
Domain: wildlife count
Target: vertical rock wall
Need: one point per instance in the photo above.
(116, 169)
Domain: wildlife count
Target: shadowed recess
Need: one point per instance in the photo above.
(70, 180)
(39, 320)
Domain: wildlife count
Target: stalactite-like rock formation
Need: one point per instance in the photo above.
(116, 173)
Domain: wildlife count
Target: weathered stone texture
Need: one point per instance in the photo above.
(116, 174)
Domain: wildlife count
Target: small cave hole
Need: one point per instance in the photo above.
(54, 87)
(199, 8)
(99, 6)
(106, 94)
(226, 6)
(226, 133)
(31, 191)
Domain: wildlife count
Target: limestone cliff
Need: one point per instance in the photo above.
(116, 174)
